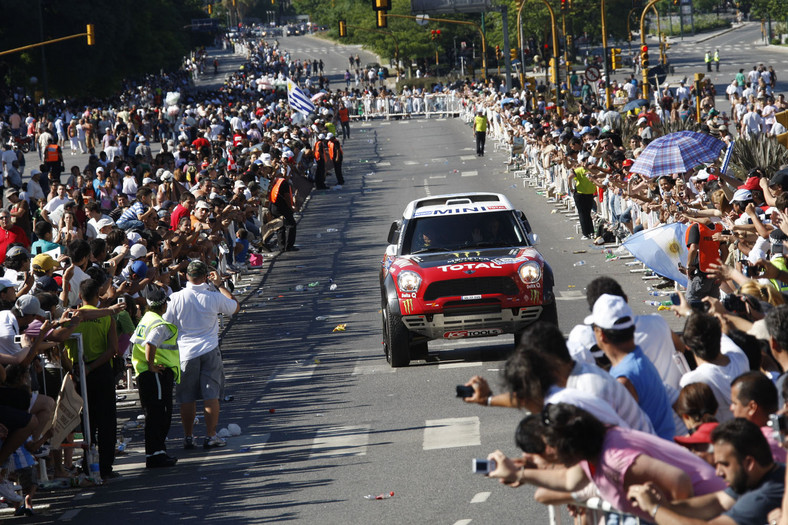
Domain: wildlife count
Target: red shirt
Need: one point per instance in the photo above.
(11, 235)
(200, 143)
(175, 216)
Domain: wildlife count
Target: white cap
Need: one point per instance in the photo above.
(147, 180)
(742, 195)
(202, 205)
(611, 312)
(330, 136)
(642, 120)
(138, 251)
(103, 223)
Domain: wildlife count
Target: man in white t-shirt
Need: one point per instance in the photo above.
(719, 362)
(194, 311)
(53, 204)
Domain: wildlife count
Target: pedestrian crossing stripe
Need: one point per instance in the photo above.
(451, 433)
(471, 173)
(467, 157)
(340, 441)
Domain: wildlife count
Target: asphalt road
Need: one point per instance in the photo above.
(325, 421)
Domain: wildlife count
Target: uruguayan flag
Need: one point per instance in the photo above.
(297, 99)
(661, 250)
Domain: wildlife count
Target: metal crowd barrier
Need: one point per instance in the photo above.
(599, 511)
(402, 106)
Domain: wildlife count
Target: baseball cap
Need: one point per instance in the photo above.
(139, 268)
(48, 284)
(29, 305)
(16, 251)
(742, 196)
(6, 283)
(167, 175)
(100, 169)
(611, 312)
(43, 262)
(750, 184)
(138, 251)
(157, 296)
(197, 268)
(103, 223)
(11, 191)
(147, 180)
(202, 204)
(642, 120)
(701, 435)
(781, 178)
(330, 136)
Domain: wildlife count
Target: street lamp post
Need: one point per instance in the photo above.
(604, 56)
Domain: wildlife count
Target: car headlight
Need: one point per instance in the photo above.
(530, 272)
(408, 281)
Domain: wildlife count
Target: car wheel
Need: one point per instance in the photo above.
(396, 339)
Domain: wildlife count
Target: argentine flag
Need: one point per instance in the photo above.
(297, 99)
(661, 249)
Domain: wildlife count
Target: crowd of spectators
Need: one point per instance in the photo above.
(135, 250)
(703, 442)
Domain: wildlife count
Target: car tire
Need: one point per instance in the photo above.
(549, 313)
(396, 339)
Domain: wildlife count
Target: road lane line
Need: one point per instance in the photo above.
(471, 173)
(451, 433)
(365, 370)
(384, 163)
(340, 441)
(467, 157)
(461, 364)
(410, 163)
(70, 515)
(462, 522)
(305, 372)
(481, 497)
(437, 176)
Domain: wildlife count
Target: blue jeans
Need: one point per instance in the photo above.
(130, 224)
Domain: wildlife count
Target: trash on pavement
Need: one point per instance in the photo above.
(340, 327)
(234, 429)
(380, 496)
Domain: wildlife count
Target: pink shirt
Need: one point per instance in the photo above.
(620, 449)
(778, 452)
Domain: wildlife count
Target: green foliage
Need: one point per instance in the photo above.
(760, 152)
(703, 23)
(133, 37)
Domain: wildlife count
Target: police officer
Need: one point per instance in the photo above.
(281, 199)
(707, 59)
(53, 160)
(480, 132)
(336, 155)
(716, 60)
(157, 365)
(320, 162)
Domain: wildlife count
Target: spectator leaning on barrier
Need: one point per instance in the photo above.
(194, 311)
(743, 459)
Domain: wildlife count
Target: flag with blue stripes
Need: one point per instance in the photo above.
(661, 249)
(297, 99)
(726, 160)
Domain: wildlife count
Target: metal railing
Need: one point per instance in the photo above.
(406, 106)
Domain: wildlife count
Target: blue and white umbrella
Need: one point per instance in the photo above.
(677, 153)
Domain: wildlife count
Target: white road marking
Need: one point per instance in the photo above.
(481, 497)
(85, 495)
(451, 433)
(469, 149)
(375, 180)
(366, 124)
(410, 162)
(570, 295)
(471, 173)
(304, 372)
(439, 159)
(461, 364)
(70, 514)
(437, 176)
(467, 157)
(385, 123)
(363, 370)
(462, 522)
(340, 441)
(384, 163)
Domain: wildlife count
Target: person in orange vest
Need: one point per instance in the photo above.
(281, 199)
(336, 155)
(320, 162)
(53, 160)
(702, 251)
(344, 121)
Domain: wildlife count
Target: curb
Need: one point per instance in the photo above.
(701, 40)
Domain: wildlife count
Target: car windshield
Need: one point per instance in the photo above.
(457, 232)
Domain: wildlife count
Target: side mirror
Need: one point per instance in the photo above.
(393, 237)
(534, 238)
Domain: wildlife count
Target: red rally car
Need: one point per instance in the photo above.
(457, 266)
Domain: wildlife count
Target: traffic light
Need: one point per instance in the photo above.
(342, 28)
(675, 2)
(615, 58)
(513, 54)
(564, 5)
(382, 20)
(644, 57)
(210, 9)
(91, 35)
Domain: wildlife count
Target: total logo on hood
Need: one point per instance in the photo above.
(468, 266)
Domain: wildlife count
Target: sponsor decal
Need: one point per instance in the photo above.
(458, 211)
(467, 266)
(407, 306)
(510, 260)
(460, 334)
(470, 297)
(534, 296)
